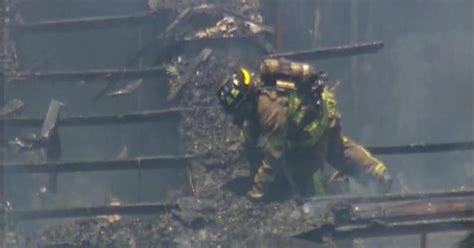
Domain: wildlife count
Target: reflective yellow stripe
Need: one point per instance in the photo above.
(234, 92)
(379, 169)
(317, 128)
(295, 103)
(330, 99)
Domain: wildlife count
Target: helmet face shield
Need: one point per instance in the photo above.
(234, 90)
(230, 95)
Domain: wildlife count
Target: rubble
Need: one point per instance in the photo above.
(177, 81)
(11, 107)
(201, 223)
(228, 27)
(128, 89)
(48, 141)
(123, 154)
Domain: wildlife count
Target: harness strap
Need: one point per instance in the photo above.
(314, 130)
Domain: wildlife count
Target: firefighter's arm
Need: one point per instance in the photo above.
(353, 159)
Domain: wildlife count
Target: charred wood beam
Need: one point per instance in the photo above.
(331, 52)
(155, 162)
(414, 217)
(91, 22)
(417, 212)
(168, 49)
(351, 199)
(396, 229)
(392, 229)
(86, 75)
(135, 117)
(11, 107)
(49, 135)
(423, 148)
(139, 209)
(257, 39)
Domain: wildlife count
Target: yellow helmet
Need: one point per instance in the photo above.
(235, 89)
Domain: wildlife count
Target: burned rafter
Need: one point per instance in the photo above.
(213, 12)
(136, 209)
(134, 117)
(168, 48)
(94, 22)
(448, 214)
(423, 148)
(106, 74)
(154, 162)
(388, 229)
(11, 107)
(429, 209)
(351, 199)
(331, 52)
(212, 41)
(49, 134)
(87, 75)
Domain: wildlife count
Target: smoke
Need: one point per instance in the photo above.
(418, 89)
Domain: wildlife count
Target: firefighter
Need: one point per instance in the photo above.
(291, 127)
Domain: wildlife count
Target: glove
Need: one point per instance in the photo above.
(384, 184)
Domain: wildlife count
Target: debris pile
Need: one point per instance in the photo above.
(224, 221)
(229, 27)
(11, 107)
